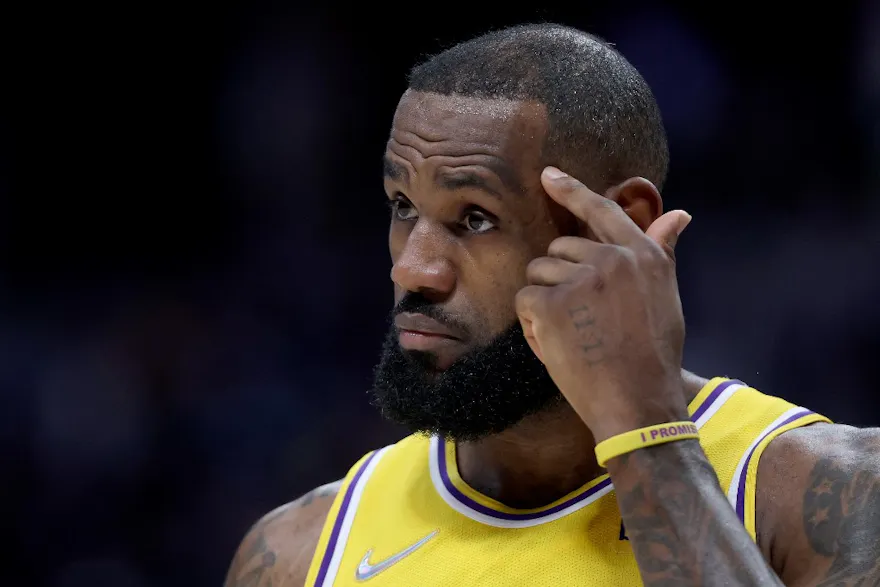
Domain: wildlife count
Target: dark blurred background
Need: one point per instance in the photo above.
(193, 264)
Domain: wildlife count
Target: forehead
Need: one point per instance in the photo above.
(435, 124)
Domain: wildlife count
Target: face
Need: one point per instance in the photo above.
(468, 213)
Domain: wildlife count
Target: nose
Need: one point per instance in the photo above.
(423, 265)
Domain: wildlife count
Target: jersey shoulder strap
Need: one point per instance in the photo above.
(735, 440)
(340, 518)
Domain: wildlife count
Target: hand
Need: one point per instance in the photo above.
(605, 317)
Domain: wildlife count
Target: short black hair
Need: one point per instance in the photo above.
(604, 123)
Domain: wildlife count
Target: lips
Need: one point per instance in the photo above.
(418, 333)
(419, 324)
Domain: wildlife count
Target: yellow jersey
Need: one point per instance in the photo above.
(404, 517)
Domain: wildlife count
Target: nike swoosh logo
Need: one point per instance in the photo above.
(367, 571)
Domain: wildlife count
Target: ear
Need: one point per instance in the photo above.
(640, 199)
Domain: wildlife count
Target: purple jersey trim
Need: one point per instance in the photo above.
(741, 485)
(447, 482)
(337, 525)
(710, 399)
(519, 517)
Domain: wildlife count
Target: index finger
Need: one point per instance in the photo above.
(604, 217)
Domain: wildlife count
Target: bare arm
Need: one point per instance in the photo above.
(818, 514)
(819, 506)
(679, 522)
(278, 550)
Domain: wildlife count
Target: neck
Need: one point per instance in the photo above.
(541, 459)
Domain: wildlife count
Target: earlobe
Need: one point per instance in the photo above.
(640, 199)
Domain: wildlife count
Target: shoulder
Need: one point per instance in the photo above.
(278, 549)
(818, 505)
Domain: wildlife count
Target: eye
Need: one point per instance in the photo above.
(478, 222)
(401, 208)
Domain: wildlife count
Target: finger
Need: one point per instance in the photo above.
(527, 300)
(605, 218)
(666, 229)
(572, 248)
(529, 335)
(550, 271)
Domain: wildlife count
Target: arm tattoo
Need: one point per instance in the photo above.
(319, 492)
(841, 516)
(680, 525)
(255, 562)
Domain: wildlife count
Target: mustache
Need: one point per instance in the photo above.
(417, 303)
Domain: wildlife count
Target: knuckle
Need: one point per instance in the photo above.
(608, 205)
(528, 298)
(616, 257)
(647, 255)
(536, 267)
(557, 245)
(531, 269)
(535, 263)
(521, 301)
(561, 246)
(653, 256)
(569, 184)
(556, 299)
(589, 278)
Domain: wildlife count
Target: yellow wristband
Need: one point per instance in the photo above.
(643, 438)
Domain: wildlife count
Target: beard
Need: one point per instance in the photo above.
(484, 392)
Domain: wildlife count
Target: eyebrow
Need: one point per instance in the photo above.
(454, 180)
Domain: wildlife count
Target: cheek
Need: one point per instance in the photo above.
(496, 278)
(503, 273)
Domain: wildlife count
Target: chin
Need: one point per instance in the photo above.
(467, 395)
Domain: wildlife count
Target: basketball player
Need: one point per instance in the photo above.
(536, 344)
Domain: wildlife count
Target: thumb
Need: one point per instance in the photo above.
(666, 229)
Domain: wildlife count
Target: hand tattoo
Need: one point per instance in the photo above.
(589, 335)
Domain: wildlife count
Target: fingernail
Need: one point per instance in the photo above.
(553, 173)
(683, 224)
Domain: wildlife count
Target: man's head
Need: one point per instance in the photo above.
(462, 174)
